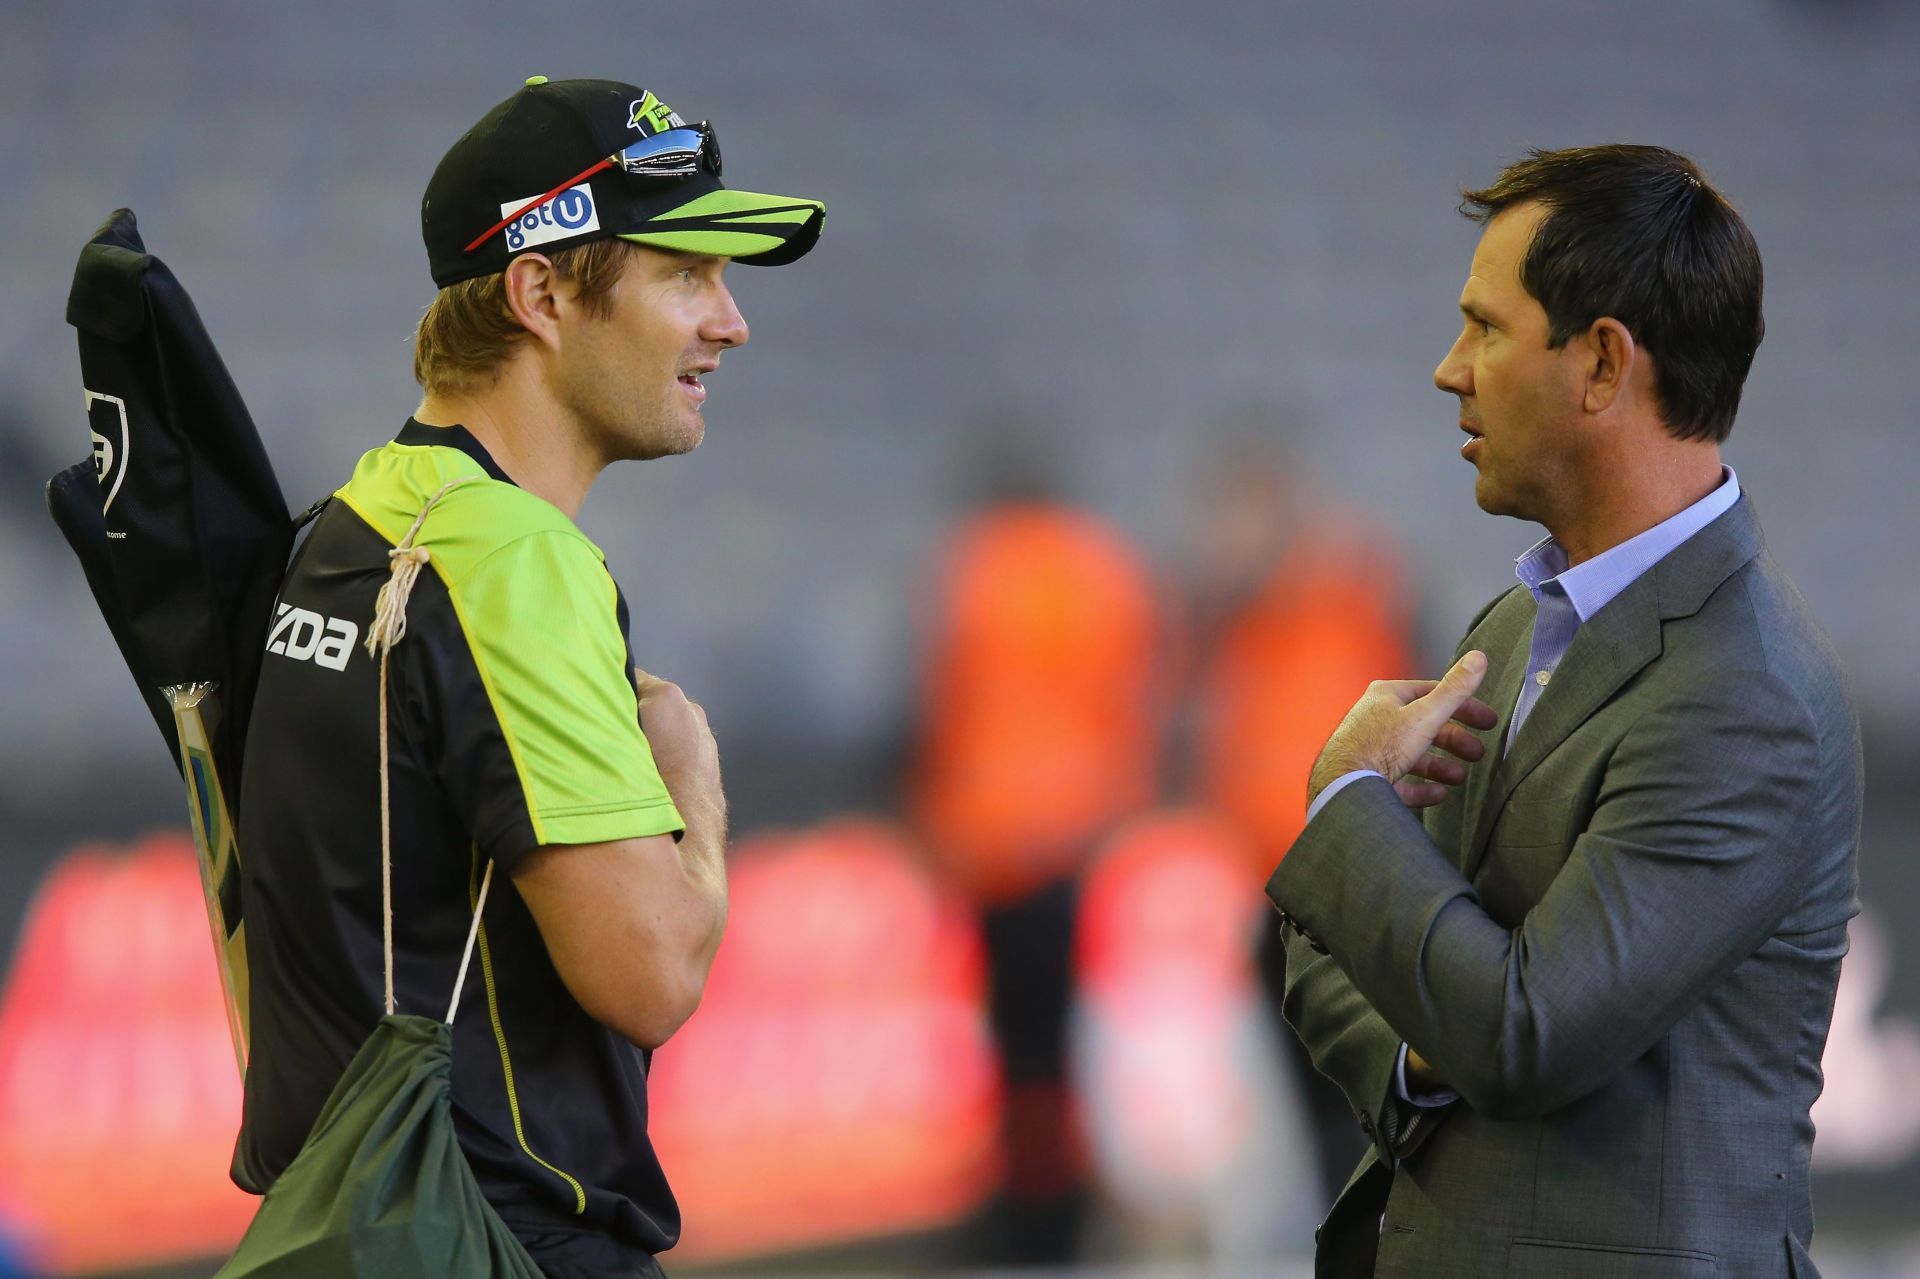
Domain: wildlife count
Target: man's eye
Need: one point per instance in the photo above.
(685, 273)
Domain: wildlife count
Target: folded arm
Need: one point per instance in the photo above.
(1685, 868)
(632, 925)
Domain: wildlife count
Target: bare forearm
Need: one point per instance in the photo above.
(632, 925)
(688, 917)
(702, 851)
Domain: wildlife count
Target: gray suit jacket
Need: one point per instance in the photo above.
(1619, 942)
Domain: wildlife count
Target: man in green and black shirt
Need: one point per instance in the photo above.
(579, 233)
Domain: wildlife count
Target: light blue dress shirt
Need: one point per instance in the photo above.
(1564, 598)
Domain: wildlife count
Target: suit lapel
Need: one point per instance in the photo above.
(1610, 648)
(1505, 638)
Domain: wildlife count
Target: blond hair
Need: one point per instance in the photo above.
(468, 330)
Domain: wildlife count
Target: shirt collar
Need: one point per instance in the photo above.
(1591, 586)
(419, 434)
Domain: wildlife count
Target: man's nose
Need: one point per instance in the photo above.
(1455, 372)
(725, 326)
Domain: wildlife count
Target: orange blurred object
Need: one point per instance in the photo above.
(119, 1100)
(839, 1080)
(1037, 720)
(1329, 621)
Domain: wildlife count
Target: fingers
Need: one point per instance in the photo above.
(1456, 740)
(654, 689)
(1475, 713)
(1450, 695)
(682, 743)
(1419, 794)
(651, 685)
(1404, 691)
(1439, 768)
(666, 699)
(1418, 731)
(1458, 684)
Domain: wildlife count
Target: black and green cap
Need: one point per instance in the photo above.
(638, 172)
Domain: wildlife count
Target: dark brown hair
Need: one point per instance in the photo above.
(468, 329)
(1635, 233)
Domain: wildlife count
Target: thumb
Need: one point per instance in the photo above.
(1454, 688)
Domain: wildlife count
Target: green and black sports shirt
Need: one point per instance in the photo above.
(514, 723)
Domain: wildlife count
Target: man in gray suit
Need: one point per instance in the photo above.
(1578, 1002)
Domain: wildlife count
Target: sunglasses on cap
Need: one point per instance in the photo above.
(671, 153)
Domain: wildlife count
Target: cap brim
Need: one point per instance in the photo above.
(759, 230)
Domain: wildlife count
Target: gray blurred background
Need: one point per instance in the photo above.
(1084, 242)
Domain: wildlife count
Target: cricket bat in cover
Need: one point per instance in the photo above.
(219, 856)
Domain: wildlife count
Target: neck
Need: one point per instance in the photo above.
(529, 434)
(1630, 492)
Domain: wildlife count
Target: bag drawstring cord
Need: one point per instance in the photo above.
(389, 627)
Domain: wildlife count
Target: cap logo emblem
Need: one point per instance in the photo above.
(651, 116)
(568, 214)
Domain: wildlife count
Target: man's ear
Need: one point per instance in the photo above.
(1611, 355)
(531, 295)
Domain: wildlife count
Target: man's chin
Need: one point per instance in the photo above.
(689, 439)
(681, 438)
(1488, 495)
(1495, 500)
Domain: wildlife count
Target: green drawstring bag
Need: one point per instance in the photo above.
(381, 1189)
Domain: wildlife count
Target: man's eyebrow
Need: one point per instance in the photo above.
(1472, 311)
(677, 259)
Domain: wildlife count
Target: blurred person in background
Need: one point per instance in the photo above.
(1579, 1006)
(572, 330)
(1039, 752)
(1294, 601)
(1037, 734)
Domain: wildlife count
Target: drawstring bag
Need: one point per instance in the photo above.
(381, 1189)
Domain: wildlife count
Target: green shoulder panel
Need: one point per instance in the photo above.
(540, 617)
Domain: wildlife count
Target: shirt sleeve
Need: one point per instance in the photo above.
(1425, 1100)
(548, 749)
(1334, 787)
